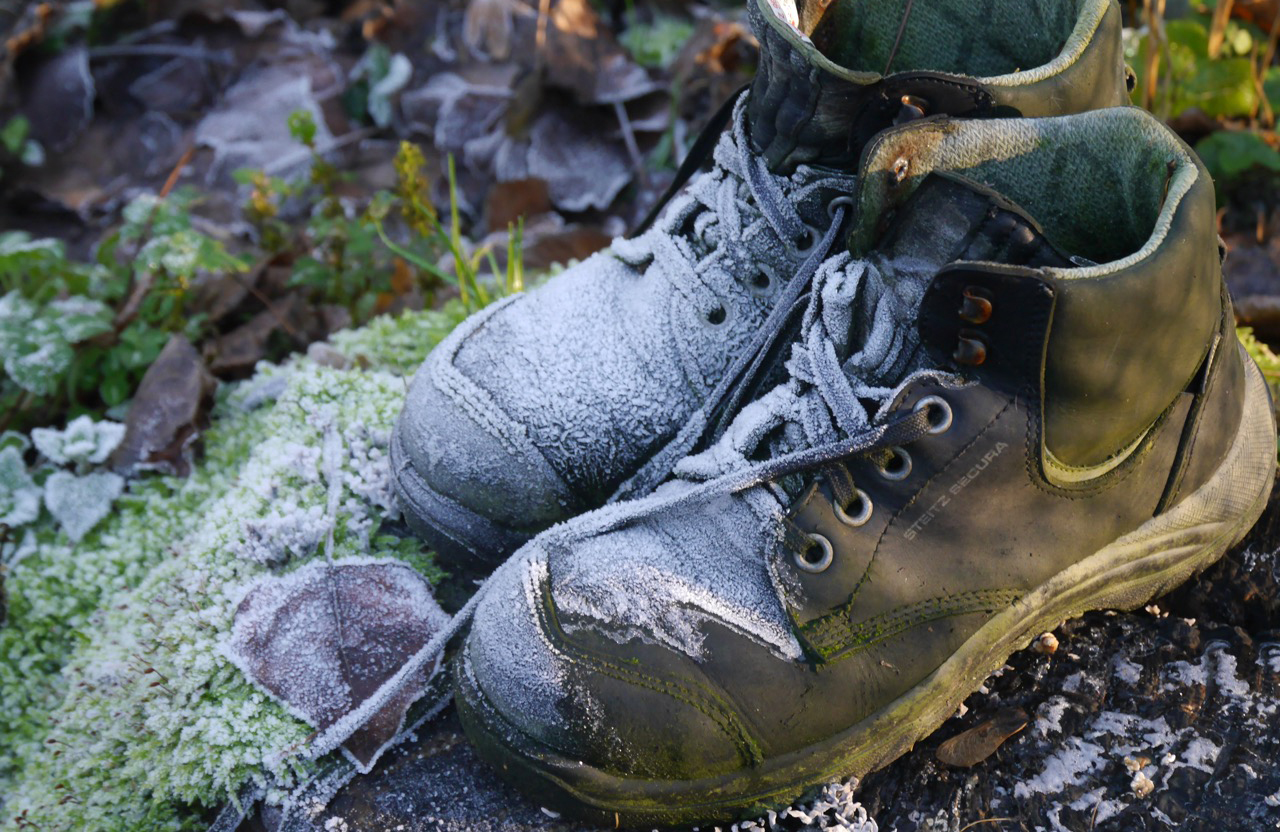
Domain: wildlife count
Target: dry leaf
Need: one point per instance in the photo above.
(981, 741)
(166, 413)
(324, 638)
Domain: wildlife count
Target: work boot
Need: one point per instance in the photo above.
(1017, 398)
(547, 404)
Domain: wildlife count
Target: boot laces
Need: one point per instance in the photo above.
(702, 242)
(825, 397)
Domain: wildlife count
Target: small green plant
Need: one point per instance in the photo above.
(15, 141)
(656, 44)
(77, 337)
(421, 218)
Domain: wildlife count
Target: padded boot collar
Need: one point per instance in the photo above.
(805, 109)
(1124, 336)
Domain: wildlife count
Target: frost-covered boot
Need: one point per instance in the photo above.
(1024, 399)
(546, 405)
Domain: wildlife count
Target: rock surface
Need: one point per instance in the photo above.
(1161, 719)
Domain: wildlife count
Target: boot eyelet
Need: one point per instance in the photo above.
(861, 517)
(899, 468)
(942, 423)
(806, 241)
(718, 316)
(839, 202)
(828, 554)
(763, 282)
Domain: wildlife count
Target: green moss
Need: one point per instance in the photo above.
(400, 343)
(117, 709)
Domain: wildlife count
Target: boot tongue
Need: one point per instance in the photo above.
(948, 219)
(800, 111)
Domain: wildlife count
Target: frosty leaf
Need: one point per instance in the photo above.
(398, 74)
(164, 418)
(19, 495)
(80, 503)
(11, 438)
(80, 318)
(15, 310)
(36, 343)
(83, 441)
(38, 357)
(324, 638)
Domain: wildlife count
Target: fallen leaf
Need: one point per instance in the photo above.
(236, 354)
(166, 413)
(488, 24)
(581, 172)
(250, 129)
(324, 638)
(509, 201)
(57, 99)
(981, 741)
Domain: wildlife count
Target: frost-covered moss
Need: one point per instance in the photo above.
(117, 709)
(400, 342)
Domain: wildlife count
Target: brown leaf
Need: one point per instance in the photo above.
(236, 353)
(324, 638)
(57, 98)
(981, 741)
(581, 171)
(509, 201)
(167, 411)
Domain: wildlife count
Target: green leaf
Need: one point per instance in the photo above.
(115, 389)
(19, 496)
(14, 134)
(1228, 154)
(302, 126)
(1190, 34)
(1222, 89)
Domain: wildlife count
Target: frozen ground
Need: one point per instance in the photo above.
(1162, 719)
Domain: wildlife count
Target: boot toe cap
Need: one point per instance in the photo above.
(466, 469)
(578, 698)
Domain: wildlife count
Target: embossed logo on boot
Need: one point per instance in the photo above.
(959, 485)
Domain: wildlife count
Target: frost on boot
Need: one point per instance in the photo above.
(1072, 426)
(555, 402)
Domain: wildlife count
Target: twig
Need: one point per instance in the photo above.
(984, 820)
(137, 290)
(629, 138)
(1218, 28)
(540, 39)
(172, 181)
(334, 144)
(159, 50)
(266, 301)
(1155, 39)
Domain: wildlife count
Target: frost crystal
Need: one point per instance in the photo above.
(80, 503)
(84, 441)
(19, 495)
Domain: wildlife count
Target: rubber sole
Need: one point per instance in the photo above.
(1126, 574)
(461, 537)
